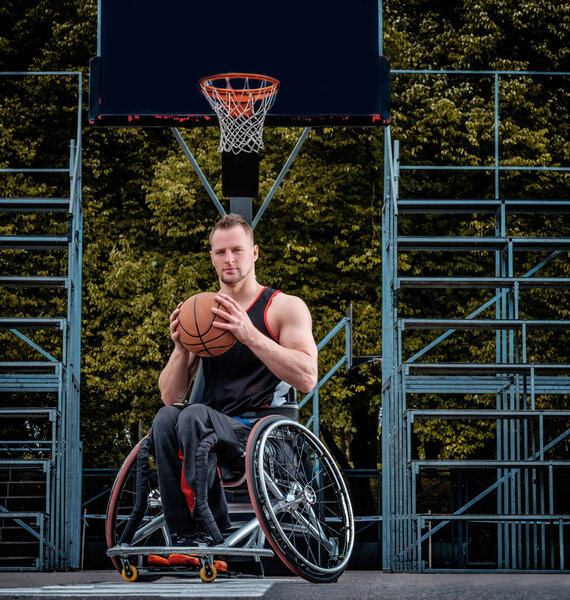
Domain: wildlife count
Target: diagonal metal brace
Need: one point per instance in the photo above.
(198, 171)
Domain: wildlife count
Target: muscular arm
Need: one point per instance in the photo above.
(294, 358)
(178, 372)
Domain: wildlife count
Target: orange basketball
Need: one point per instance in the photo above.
(197, 331)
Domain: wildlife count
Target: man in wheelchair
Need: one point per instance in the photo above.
(274, 352)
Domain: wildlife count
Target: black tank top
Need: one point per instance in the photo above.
(237, 380)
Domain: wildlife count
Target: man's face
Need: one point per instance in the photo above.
(233, 254)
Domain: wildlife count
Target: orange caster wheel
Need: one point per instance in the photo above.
(131, 574)
(208, 574)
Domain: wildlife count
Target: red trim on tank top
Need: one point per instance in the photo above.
(265, 315)
(256, 298)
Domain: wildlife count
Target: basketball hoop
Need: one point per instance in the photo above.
(241, 101)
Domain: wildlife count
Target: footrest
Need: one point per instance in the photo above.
(124, 550)
(184, 560)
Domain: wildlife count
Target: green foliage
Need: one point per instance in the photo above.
(147, 215)
(449, 119)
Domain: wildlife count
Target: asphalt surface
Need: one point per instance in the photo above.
(95, 585)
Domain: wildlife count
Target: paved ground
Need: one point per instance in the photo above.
(108, 585)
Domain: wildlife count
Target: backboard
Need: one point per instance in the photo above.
(325, 54)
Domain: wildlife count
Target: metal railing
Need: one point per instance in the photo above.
(527, 533)
(53, 541)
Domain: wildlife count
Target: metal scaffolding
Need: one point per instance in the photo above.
(500, 513)
(40, 327)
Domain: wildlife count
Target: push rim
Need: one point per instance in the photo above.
(306, 516)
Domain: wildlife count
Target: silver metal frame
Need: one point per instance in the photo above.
(57, 529)
(524, 476)
(248, 537)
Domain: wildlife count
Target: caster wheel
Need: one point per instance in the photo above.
(132, 576)
(208, 574)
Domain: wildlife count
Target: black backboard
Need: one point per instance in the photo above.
(325, 54)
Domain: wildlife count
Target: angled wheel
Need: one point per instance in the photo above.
(208, 574)
(131, 576)
(300, 499)
(134, 517)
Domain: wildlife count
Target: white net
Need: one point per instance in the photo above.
(240, 103)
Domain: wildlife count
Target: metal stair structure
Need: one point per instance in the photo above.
(508, 504)
(40, 327)
(502, 509)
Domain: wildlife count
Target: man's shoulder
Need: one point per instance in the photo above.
(282, 298)
(290, 323)
(283, 303)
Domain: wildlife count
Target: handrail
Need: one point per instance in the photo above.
(345, 324)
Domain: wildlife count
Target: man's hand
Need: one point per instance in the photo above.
(174, 333)
(294, 357)
(235, 319)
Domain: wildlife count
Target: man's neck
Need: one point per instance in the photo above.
(244, 292)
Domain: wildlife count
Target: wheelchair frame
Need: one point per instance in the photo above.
(299, 501)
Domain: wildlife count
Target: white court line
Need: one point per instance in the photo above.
(184, 589)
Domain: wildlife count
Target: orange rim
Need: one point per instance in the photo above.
(241, 96)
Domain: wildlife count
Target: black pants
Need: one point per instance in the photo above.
(183, 428)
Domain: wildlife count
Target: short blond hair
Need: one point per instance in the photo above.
(232, 220)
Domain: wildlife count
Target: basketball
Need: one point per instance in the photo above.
(197, 331)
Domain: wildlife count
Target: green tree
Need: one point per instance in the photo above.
(448, 119)
(147, 216)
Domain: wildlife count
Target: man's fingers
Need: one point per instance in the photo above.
(226, 300)
(221, 313)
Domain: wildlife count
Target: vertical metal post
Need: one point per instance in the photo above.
(496, 82)
(561, 544)
(41, 564)
(74, 471)
(500, 424)
(98, 27)
(380, 28)
(542, 510)
(316, 430)
(420, 524)
(242, 206)
(551, 511)
(388, 384)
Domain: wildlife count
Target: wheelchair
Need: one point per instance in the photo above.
(291, 495)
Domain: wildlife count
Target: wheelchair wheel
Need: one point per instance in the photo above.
(300, 499)
(128, 521)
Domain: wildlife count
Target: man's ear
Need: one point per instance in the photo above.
(255, 252)
(212, 256)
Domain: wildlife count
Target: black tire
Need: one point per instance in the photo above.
(300, 499)
(147, 527)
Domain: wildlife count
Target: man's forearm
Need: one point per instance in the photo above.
(175, 377)
(295, 367)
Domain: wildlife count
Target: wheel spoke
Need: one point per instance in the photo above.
(300, 488)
